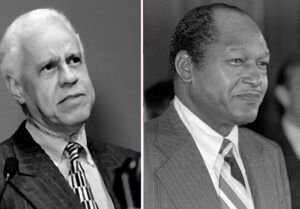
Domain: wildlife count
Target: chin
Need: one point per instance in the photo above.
(245, 118)
(75, 119)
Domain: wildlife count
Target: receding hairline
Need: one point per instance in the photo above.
(25, 25)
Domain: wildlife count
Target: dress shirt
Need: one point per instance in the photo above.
(209, 142)
(292, 132)
(55, 149)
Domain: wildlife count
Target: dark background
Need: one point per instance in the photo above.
(110, 32)
(278, 20)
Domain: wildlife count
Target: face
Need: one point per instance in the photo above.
(56, 86)
(231, 83)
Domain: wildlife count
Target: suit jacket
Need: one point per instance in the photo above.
(276, 133)
(176, 175)
(40, 185)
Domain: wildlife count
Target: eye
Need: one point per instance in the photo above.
(73, 60)
(236, 61)
(263, 64)
(50, 66)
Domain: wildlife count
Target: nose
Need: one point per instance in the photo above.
(67, 76)
(253, 76)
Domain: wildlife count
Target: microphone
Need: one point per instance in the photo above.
(11, 167)
(130, 178)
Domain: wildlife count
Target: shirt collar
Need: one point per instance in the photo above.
(207, 139)
(55, 146)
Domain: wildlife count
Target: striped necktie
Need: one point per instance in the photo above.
(233, 194)
(77, 178)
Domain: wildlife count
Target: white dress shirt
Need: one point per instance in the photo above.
(292, 133)
(54, 148)
(209, 143)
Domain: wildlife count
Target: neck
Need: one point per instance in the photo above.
(66, 133)
(212, 120)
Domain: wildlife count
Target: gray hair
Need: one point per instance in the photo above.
(21, 28)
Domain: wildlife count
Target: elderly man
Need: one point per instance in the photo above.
(196, 155)
(43, 64)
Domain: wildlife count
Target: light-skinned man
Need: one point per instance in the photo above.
(43, 65)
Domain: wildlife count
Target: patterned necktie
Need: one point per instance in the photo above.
(233, 194)
(77, 178)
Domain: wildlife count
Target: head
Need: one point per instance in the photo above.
(220, 59)
(43, 64)
(288, 86)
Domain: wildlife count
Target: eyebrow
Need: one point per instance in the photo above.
(238, 48)
(46, 62)
(265, 54)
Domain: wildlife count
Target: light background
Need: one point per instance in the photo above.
(110, 32)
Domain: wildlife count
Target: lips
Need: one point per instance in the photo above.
(69, 97)
(249, 96)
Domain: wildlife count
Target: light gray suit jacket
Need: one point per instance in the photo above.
(176, 175)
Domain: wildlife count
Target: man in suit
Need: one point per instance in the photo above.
(196, 155)
(43, 64)
(286, 132)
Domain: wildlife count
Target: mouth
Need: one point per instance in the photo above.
(71, 97)
(251, 97)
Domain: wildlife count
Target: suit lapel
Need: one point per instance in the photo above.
(184, 173)
(260, 173)
(38, 179)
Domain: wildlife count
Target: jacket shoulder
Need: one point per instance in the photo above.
(6, 148)
(121, 152)
(117, 153)
(6, 151)
(268, 146)
(151, 127)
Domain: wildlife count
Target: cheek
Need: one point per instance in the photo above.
(30, 92)
(265, 83)
(87, 83)
(44, 95)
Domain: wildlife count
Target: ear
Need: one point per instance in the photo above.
(282, 95)
(16, 89)
(184, 65)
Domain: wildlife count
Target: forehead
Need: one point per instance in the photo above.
(237, 30)
(51, 40)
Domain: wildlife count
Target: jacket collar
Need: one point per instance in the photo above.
(260, 170)
(183, 161)
(183, 174)
(40, 181)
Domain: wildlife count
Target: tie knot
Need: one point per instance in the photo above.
(73, 150)
(226, 147)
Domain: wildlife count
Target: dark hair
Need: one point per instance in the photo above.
(196, 31)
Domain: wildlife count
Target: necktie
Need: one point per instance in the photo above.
(231, 182)
(77, 178)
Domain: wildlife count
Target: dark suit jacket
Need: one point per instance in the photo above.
(176, 175)
(39, 184)
(292, 162)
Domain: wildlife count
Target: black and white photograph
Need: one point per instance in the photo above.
(70, 104)
(221, 104)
